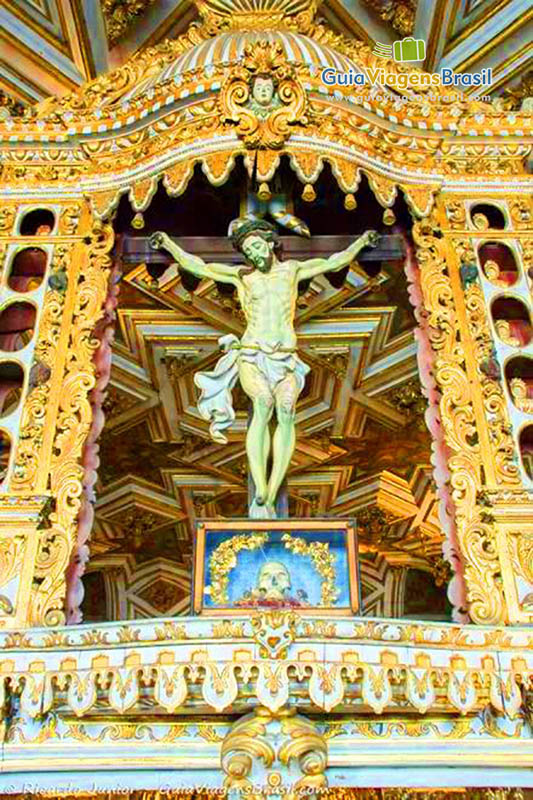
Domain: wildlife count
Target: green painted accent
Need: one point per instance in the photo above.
(409, 49)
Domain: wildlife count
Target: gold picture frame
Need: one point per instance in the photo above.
(310, 566)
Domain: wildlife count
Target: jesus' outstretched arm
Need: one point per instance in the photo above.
(317, 266)
(217, 272)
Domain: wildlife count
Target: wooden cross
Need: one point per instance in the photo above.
(136, 249)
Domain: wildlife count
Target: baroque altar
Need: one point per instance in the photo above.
(342, 599)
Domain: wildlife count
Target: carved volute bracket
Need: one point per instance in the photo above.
(279, 749)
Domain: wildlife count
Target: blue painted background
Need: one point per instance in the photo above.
(303, 574)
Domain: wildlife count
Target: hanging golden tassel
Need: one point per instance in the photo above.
(308, 193)
(264, 192)
(350, 203)
(138, 221)
(389, 217)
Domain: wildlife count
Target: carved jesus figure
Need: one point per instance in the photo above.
(265, 360)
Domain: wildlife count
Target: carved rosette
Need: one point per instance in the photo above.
(266, 127)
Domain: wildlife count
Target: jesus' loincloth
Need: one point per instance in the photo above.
(216, 402)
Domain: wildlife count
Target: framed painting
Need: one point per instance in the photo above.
(306, 565)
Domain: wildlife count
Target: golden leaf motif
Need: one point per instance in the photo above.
(420, 198)
(209, 734)
(227, 629)
(104, 202)
(17, 640)
(171, 631)
(323, 561)
(127, 634)
(319, 628)
(224, 558)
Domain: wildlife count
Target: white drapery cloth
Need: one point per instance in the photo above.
(216, 402)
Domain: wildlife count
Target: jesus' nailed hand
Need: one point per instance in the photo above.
(265, 360)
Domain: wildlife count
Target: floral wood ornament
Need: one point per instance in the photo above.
(263, 97)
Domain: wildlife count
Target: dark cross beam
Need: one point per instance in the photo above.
(136, 249)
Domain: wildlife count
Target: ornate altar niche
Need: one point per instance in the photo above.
(91, 168)
(159, 468)
(294, 131)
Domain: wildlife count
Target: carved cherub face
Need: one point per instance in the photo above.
(263, 90)
(258, 251)
(273, 581)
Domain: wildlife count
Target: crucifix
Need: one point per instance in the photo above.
(265, 360)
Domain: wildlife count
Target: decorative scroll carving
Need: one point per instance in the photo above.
(223, 14)
(255, 738)
(503, 329)
(9, 107)
(104, 333)
(263, 97)
(119, 16)
(401, 16)
(246, 742)
(519, 390)
(476, 537)
(456, 213)
(72, 426)
(427, 356)
(521, 213)
(69, 219)
(7, 218)
(34, 416)
(114, 151)
(501, 442)
(514, 97)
